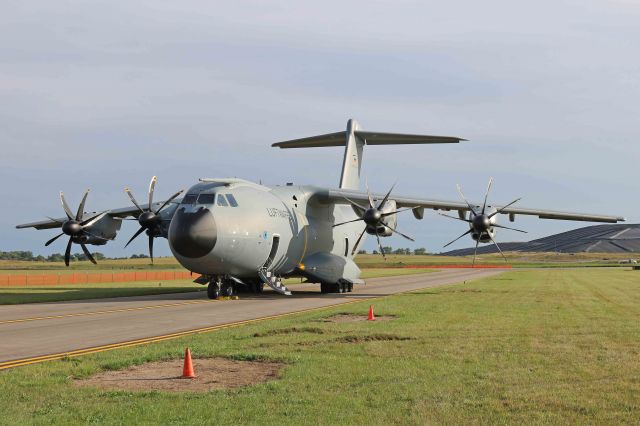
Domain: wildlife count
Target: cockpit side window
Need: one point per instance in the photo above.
(189, 199)
(222, 201)
(232, 200)
(206, 198)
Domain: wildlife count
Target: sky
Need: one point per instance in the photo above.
(106, 94)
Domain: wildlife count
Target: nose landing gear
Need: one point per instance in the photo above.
(226, 287)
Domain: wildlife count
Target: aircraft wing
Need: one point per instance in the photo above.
(118, 213)
(340, 196)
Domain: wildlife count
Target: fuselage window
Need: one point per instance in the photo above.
(206, 198)
(232, 200)
(189, 199)
(222, 201)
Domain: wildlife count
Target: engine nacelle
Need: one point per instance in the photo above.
(488, 233)
(392, 220)
(102, 230)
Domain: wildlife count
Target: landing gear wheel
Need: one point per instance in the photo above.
(213, 290)
(259, 287)
(339, 287)
(227, 288)
(350, 287)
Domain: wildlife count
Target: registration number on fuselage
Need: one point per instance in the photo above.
(272, 212)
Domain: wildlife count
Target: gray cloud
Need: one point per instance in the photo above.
(106, 94)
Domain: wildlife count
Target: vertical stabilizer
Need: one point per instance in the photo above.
(350, 178)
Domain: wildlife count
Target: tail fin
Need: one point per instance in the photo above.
(354, 139)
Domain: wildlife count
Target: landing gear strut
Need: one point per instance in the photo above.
(214, 290)
(340, 287)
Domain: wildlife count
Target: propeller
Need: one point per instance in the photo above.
(373, 216)
(77, 228)
(480, 223)
(149, 219)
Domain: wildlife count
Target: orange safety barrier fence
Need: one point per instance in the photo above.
(25, 280)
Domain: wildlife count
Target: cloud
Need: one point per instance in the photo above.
(106, 94)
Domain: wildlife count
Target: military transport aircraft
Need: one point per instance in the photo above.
(242, 235)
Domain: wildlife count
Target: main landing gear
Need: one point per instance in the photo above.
(341, 286)
(226, 287)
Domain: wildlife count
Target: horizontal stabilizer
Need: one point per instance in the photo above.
(369, 138)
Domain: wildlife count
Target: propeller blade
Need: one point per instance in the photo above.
(397, 211)
(512, 229)
(133, 199)
(466, 233)
(504, 207)
(455, 218)
(355, 246)
(486, 195)
(386, 197)
(400, 233)
(140, 231)
(354, 204)
(80, 212)
(169, 200)
(92, 220)
(380, 246)
(88, 254)
(498, 247)
(152, 188)
(351, 221)
(473, 211)
(366, 184)
(475, 253)
(151, 247)
(65, 206)
(67, 252)
(53, 239)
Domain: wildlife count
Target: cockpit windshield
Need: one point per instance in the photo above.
(190, 199)
(206, 198)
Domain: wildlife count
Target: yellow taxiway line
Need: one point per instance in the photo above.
(111, 311)
(130, 343)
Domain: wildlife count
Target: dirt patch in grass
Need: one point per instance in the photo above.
(212, 374)
(371, 338)
(290, 330)
(354, 318)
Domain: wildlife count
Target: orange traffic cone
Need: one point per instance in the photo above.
(187, 370)
(371, 317)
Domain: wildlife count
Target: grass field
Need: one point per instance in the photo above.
(363, 260)
(536, 346)
(57, 293)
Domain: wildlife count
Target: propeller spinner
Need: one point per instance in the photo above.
(77, 228)
(149, 219)
(481, 222)
(373, 217)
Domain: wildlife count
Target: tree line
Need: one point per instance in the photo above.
(57, 257)
(407, 251)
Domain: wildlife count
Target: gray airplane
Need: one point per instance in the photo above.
(240, 235)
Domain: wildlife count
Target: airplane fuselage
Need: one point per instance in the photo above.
(234, 229)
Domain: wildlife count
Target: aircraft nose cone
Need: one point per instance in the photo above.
(193, 235)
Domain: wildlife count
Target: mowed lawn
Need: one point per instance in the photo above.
(538, 346)
(57, 293)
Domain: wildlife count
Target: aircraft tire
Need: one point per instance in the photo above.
(259, 288)
(213, 290)
(350, 287)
